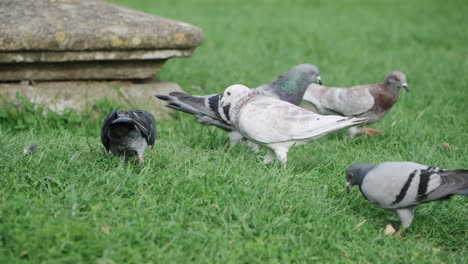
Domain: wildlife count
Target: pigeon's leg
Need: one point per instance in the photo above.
(235, 137)
(406, 216)
(352, 132)
(269, 157)
(282, 155)
(140, 153)
(254, 147)
(140, 158)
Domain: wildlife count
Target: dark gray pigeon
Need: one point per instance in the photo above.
(372, 100)
(128, 133)
(401, 186)
(289, 87)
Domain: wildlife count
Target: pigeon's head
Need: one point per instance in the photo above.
(309, 73)
(396, 79)
(233, 93)
(356, 173)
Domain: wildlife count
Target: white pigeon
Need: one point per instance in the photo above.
(289, 87)
(401, 186)
(276, 124)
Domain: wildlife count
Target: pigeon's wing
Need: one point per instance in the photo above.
(145, 123)
(396, 184)
(343, 101)
(268, 120)
(452, 182)
(105, 128)
(204, 108)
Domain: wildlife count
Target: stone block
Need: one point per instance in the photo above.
(87, 39)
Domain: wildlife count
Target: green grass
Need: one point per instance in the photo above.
(197, 200)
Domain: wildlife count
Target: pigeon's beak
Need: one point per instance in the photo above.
(405, 86)
(319, 80)
(348, 187)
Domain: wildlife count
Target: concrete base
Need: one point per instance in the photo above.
(59, 96)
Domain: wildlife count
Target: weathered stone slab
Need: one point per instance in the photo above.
(91, 70)
(86, 39)
(59, 96)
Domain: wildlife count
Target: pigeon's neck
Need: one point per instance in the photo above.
(237, 106)
(290, 88)
(390, 89)
(360, 173)
(385, 96)
(357, 180)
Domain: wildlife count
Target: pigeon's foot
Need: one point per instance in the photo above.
(254, 147)
(401, 231)
(283, 164)
(282, 155)
(354, 131)
(141, 156)
(235, 137)
(369, 131)
(269, 157)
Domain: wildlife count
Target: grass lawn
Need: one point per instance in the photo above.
(197, 200)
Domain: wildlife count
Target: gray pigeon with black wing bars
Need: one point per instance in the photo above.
(128, 133)
(401, 186)
(289, 87)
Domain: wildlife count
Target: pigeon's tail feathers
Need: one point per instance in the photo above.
(357, 120)
(195, 105)
(333, 126)
(162, 97)
(343, 123)
(203, 108)
(452, 182)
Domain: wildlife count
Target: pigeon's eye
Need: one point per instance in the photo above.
(228, 93)
(312, 73)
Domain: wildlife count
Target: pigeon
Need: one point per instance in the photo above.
(371, 100)
(30, 149)
(401, 186)
(276, 124)
(289, 87)
(128, 133)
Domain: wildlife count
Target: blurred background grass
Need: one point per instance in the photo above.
(197, 200)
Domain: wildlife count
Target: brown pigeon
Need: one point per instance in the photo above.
(371, 100)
